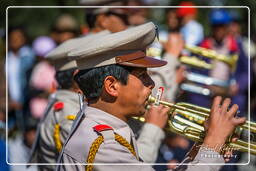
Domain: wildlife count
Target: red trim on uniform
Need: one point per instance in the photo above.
(58, 106)
(100, 128)
(232, 44)
(207, 43)
(162, 89)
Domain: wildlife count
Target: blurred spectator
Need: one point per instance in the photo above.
(66, 27)
(226, 44)
(19, 62)
(157, 47)
(19, 149)
(101, 19)
(191, 29)
(242, 70)
(172, 20)
(222, 44)
(42, 71)
(137, 15)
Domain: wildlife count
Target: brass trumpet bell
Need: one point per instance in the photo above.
(188, 119)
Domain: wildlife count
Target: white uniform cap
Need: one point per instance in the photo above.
(59, 55)
(125, 48)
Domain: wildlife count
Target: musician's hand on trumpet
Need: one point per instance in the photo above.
(157, 115)
(222, 123)
(219, 126)
(227, 154)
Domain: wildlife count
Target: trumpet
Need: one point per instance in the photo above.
(195, 80)
(194, 61)
(187, 120)
(208, 53)
(196, 89)
(206, 80)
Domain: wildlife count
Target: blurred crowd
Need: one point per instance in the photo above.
(31, 77)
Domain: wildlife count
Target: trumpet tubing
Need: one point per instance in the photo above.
(195, 62)
(206, 80)
(208, 53)
(230, 60)
(196, 89)
(188, 119)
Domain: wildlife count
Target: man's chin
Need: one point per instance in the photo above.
(139, 114)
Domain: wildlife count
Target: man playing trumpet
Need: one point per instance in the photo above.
(113, 76)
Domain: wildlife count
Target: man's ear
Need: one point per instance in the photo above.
(111, 86)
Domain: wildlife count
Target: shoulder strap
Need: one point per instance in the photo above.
(100, 129)
(79, 118)
(56, 133)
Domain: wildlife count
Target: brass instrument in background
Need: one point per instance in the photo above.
(208, 53)
(188, 119)
(195, 78)
(194, 88)
(203, 79)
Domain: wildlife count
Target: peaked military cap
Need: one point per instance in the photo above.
(127, 47)
(59, 55)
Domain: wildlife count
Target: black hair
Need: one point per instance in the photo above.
(90, 81)
(15, 28)
(65, 78)
(21, 29)
(90, 19)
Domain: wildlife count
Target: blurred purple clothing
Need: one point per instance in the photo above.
(241, 76)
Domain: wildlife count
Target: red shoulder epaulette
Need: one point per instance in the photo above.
(232, 44)
(99, 128)
(207, 43)
(58, 106)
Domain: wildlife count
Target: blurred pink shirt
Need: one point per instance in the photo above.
(43, 76)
